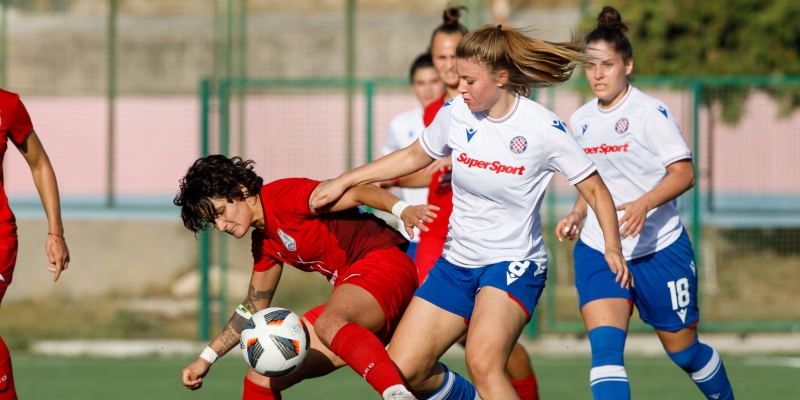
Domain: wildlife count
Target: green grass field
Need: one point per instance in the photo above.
(652, 378)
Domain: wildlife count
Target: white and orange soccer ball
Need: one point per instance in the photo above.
(275, 342)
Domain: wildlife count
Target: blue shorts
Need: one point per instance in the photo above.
(454, 288)
(666, 283)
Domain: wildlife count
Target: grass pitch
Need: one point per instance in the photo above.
(652, 378)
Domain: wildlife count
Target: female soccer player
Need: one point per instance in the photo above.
(16, 126)
(638, 149)
(363, 257)
(406, 127)
(505, 149)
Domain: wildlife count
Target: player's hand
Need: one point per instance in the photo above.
(417, 216)
(631, 223)
(194, 373)
(325, 193)
(618, 266)
(57, 253)
(446, 162)
(567, 228)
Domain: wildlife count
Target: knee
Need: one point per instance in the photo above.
(415, 372)
(607, 343)
(692, 358)
(327, 326)
(483, 367)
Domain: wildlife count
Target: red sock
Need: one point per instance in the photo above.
(527, 389)
(365, 354)
(256, 392)
(7, 390)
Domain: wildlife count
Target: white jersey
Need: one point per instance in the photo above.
(500, 171)
(404, 130)
(632, 143)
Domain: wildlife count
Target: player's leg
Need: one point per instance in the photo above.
(8, 258)
(521, 375)
(606, 310)
(434, 321)
(668, 291)
(362, 312)
(321, 361)
(509, 292)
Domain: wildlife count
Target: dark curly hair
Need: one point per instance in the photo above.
(214, 176)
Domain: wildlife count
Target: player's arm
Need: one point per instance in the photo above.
(400, 163)
(379, 199)
(418, 179)
(569, 226)
(45, 179)
(679, 179)
(259, 297)
(597, 196)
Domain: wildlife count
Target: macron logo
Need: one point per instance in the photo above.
(682, 314)
(662, 110)
(470, 133)
(560, 126)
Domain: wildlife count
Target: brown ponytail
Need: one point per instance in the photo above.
(531, 63)
(450, 24)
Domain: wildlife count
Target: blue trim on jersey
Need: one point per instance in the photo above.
(453, 288)
(666, 283)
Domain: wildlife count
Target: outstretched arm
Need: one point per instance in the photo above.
(397, 164)
(259, 297)
(594, 190)
(377, 198)
(45, 179)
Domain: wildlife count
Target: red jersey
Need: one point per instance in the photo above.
(440, 193)
(15, 124)
(327, 243)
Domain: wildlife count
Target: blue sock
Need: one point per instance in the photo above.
(608, 377)
(705, 367)
(455, 387)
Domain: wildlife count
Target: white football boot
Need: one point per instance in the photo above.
(398, 392)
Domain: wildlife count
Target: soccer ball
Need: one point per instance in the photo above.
(275, 342)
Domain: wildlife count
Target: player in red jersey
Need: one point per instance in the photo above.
(436, 178)
(363, 257)
(16, 126)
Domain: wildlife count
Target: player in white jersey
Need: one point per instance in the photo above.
(639, 151)
(405, 128)
(505, 149)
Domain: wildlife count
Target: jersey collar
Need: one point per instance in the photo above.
(618, 105)
(510, 113)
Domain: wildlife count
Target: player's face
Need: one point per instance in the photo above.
(477, 86)
(607, 73)
(426, 85)
(233, 218)
(443, 51)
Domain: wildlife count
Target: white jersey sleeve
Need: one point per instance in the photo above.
(434, 139)
(665, 137)
(565, 155)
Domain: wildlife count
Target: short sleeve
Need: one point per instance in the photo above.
(262, 259)
(21, 125)
(665, 137)
(434, 138)
(565, 155)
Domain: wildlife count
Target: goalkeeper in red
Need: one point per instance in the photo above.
(363, 257)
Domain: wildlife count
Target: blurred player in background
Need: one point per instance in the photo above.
(492, 272)
(362, 256)
(638, 148)
(405, 129)
(16, 127)
(436, 178)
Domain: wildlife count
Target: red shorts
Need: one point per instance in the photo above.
(8, 258)
(389, 276)
(429, 250)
